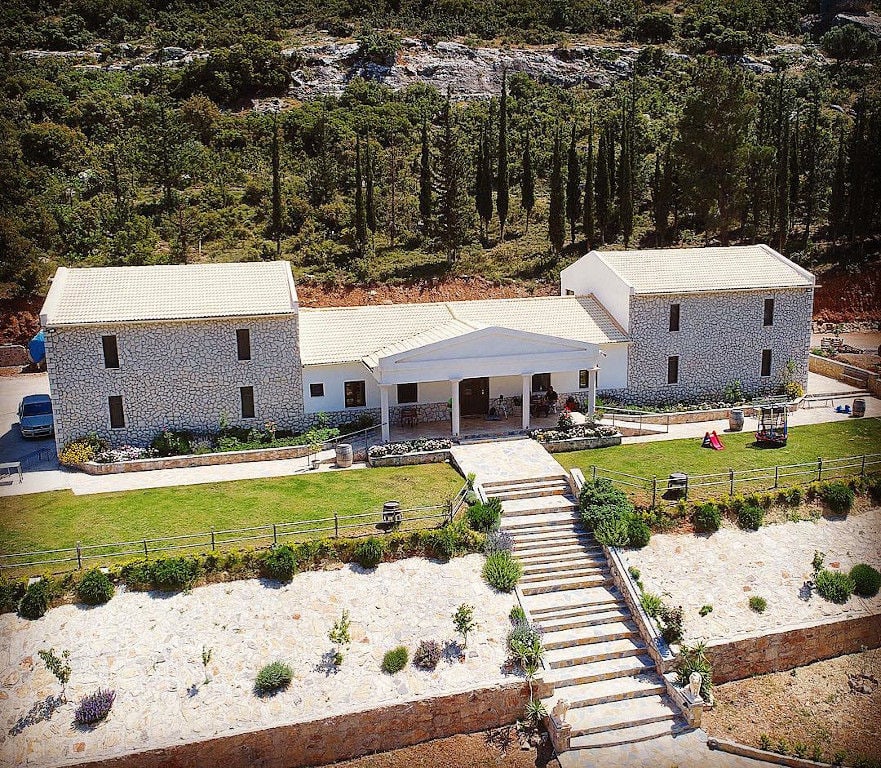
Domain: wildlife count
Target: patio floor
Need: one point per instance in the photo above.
(471, 427)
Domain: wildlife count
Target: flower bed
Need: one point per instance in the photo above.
(578, 437)
(428, 451)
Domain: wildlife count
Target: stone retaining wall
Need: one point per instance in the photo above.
(320, 742)
(579, 443)
(848, 374)
(406, 459)
(795, 646)
(13, 355)
(195, 460)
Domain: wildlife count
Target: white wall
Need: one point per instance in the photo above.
(591, 275)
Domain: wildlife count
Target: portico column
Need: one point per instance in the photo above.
(383, 408)
(527, 394)
(591, 392)
(454, 396)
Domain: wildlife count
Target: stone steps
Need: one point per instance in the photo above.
(630, 735)
(510, 493)
(572, 602)
(557, 623)
(564, 583)
(614, 715)
(555, 503)
(562, 566)
(550, 555)
(552, 537)
(584, 654)
(593, 671)
(610, 689)
(596, 633)
(538, 521)
(527, 482)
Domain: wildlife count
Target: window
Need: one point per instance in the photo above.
(355, 394)
(243, 342)
(111, 351)
(247, 396)
(766, 362)
(117, 415)
(674, 317)
(541, 382)
(569, 292)
(769, 312)
(673, 369)
(316, 389)
(583, 379)
(407, 393)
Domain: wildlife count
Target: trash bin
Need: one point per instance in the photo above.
(735, 419)
(676, 484)
(344, 455)
(859, 407)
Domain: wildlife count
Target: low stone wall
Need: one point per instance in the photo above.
(580, 443)
(795, 646)
(320, 742)
(406, 459)
(13, 355)
(426, 413)
(848, 374)
(195, 460)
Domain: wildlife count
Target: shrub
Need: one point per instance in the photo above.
(655, 27)
(795, 496)
(94, 707)
(672, 619)
(634, 572)
(463, 621)
(866, 580)
(707, 517)
(95, 588)
(35, 601)
(650, 603)
(273, 678)
(170, 443)
(172, 573)
(517, 615)
(638, 533)
(498, 541)
(525, 645)
(369, 553)
(428, 655)
(280, 563)
(693, 659)
(838, 497)
(849, 43)
(502, 571)
(613, 532)
(834, 586)
(705, 609)
(395, 660)
(450, 540)
(750, 517)
(485, 517)
(77, 452)
(875, 490)
(758, 604)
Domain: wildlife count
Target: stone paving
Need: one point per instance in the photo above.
(728, 567)
(148, 647)
(506, 460)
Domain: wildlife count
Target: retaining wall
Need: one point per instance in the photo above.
(320, 742)
(406, 459)
(795, 646)
(579, 443)
(848, 374)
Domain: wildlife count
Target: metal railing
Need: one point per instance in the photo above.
(747, 480)
(336, 526)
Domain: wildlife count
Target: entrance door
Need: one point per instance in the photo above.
(474, 397)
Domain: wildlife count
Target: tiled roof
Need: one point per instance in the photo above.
(350, 334)
(690, 270)
(169, 292)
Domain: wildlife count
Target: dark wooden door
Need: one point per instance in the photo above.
(474, 397)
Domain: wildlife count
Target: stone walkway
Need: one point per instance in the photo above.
(728, 567)
(520, 459)
(148, 648)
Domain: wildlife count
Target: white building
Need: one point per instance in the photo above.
(133, 350)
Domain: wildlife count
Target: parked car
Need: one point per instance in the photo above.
(35, 416)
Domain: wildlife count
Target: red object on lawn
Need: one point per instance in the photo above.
(711, 440)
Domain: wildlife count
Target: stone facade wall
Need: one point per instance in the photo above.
(181, 375)
(757, 654)
(720, 341)
(426, 413)
(321, 742)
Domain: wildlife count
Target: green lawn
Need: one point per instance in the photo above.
(60, 519)
(829, 440)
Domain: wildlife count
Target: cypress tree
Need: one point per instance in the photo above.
(360, 212)
(453, 193)
(662, 194)
(602, 186)
(588, 222)
(783, 188)
(276, 188)
(368, 179)
(556, 212)
(573, 190)
(794, 168)
(838, 199)
(502, 183)
(858, 163)
(527, 182)
(811, 173)
(425, 201)
(483, 185)
(625, 187)
(610, 161)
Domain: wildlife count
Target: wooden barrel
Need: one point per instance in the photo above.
(344, 455)
(391, 512)
(735, 419)
(859, 406)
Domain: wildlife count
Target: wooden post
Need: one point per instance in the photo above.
(146, 552)
(274, 535)
(449, 512)
(730, 482)
(686, 487)
(654, 490)
(593, 469)
(79, 557)
(819, 468)
(212, 538)
(336, 525)
(776, 476)
(863, 467)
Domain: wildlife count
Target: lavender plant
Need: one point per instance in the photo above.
(94, 707)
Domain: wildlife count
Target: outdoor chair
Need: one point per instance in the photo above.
(409, 417)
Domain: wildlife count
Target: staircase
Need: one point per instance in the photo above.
(594, 654)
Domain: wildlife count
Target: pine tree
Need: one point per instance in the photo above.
(360, 212)
(276, 189)
(370, 201)
(425, 199)
(527, 181)
(588, 226)
(556, 212)
(502, 183)
(858, 163)
(603, 193)
(483, 185)
(573, 188)
(783, 188)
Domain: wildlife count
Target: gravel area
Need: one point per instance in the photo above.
(831, 705)
(728, 567)
(148, 647)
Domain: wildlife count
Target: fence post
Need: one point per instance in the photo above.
(212, 538)
(336, 525)
(819, 468)
(654, 490)
(146, 551)
(274, 535)
(863, 467)
(730, 482)
(776, 475)
(450, 512)
(593, 469)
(79, 557)
(686, 487)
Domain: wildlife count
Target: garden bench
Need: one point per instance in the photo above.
(12, 466)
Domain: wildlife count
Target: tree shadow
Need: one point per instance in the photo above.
(327, 664)
(38, 713)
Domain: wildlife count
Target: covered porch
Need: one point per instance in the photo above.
(497, 380)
